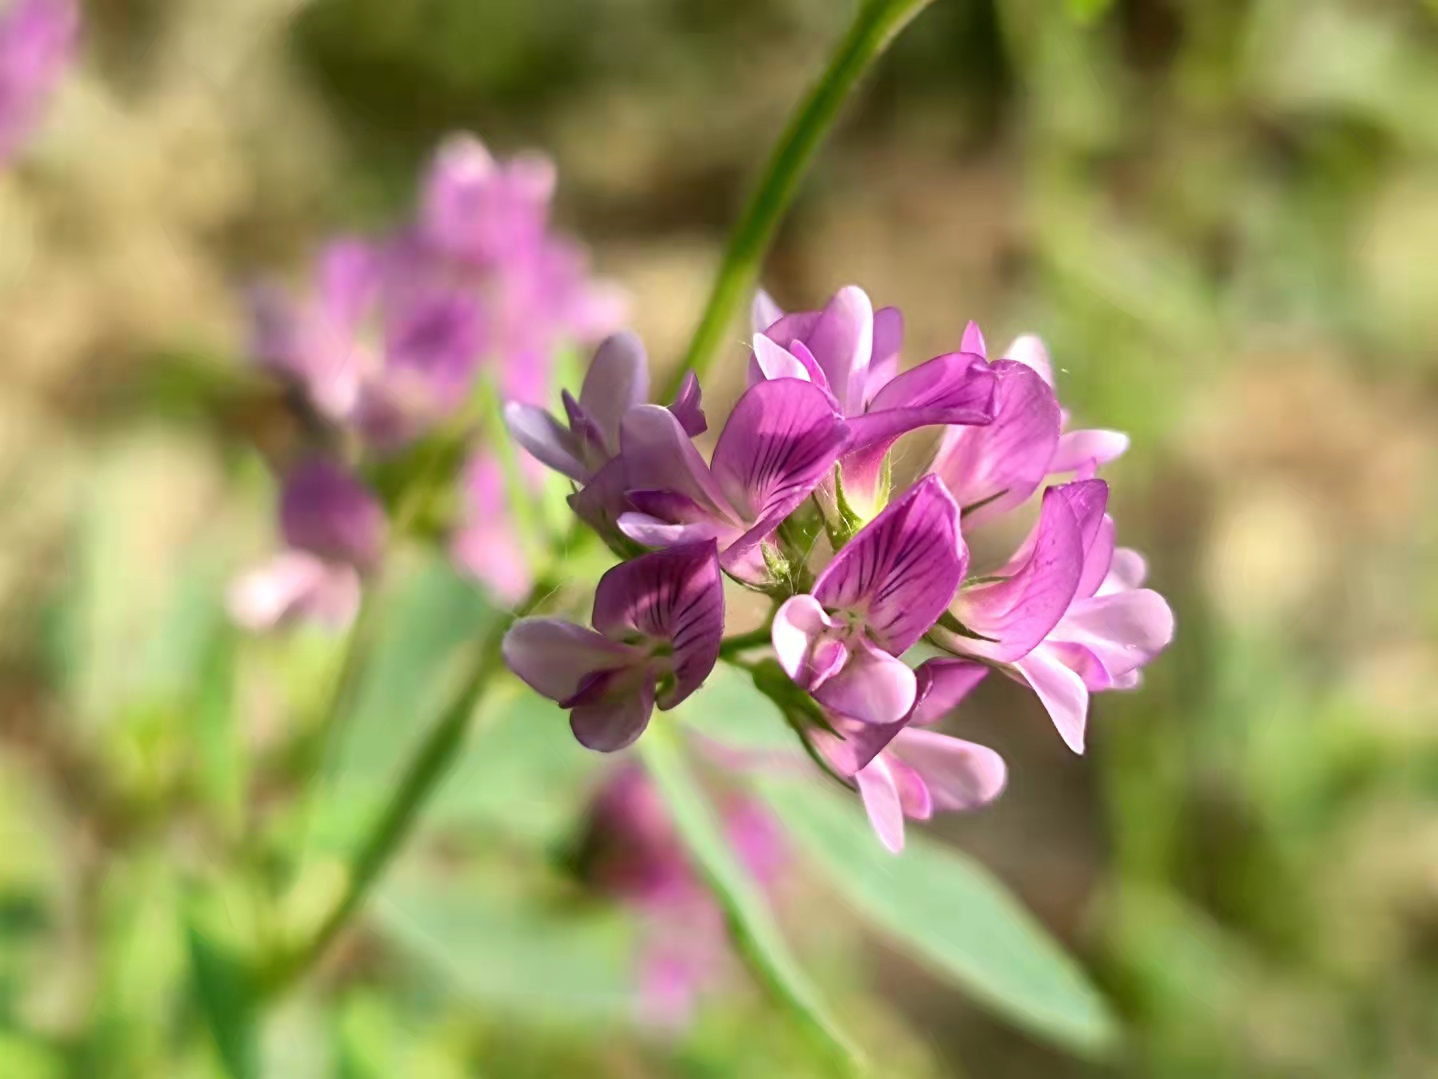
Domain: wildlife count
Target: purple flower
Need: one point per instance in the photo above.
(334, 532)
(851, 352)
(780, 441)
(658, 621)
(991, 470)
(902, 770)
(1066, 614)
(632, 853)
(37, 44)
(485, 544)
(878, 596)
(482, 212)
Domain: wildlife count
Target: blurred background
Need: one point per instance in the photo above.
(1222, 216)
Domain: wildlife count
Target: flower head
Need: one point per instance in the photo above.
(37, 45)
(879, 595)
(484, 544)
(658, 621)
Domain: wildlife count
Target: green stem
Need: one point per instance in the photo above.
(874, 26)
(755, 638)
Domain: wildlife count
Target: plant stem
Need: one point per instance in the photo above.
(755, 638)
(874, 26)
(422, 776)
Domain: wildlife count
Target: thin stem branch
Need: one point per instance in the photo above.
(874, 26)
(755, 638)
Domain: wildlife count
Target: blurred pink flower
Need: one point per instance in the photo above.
(38, 40)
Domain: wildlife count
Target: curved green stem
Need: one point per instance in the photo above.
(755, 638)
(874, 26)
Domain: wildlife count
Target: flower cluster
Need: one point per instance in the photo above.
(37, 45)
(398, 336)
(805, 457)
(631, 852)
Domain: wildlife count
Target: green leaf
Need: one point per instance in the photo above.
(224, 992)
(750, 920)
(1089, 11)
(951, 914)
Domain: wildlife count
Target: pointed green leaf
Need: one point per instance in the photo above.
(224, 993)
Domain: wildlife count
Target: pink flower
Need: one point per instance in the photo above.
(37, 45)
(485, 544)
(658, 621)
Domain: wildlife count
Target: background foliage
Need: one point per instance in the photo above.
(1220, 214)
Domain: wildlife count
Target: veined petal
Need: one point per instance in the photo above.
(1061, 691)
(957, 775)
(1030, 351)
(902, 569)
(649, 531)
(545, 439)
(841, 338)
(325, 510)
(617, 380)
(997, 467)
(688, 406)
(617, 721)
(805, 643)
(881, 802)
(782, 438)
(660, 457)
(764, 312)
(1087, 449)
(1017, 613)
(871, 687)
(943, 685)
(675, 595)
(554, 657)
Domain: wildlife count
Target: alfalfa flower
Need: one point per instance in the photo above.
(658, 621)
(37, 45)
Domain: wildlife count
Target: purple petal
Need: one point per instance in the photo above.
(350, 274)
(1122, 631)
(943, 685)
(295, 585)
(1098, 559)
(881, 802)
(660, 457)
(1030, 351)
(804, 642)
(554, 658)
(841, 337)
(1061, 691)
(545, 439)
(958, 775)
(433, 341)
(614, 723)
(888, 343)
(771, 361)
(854, 745)
(764, 312)
(997, 467)
(618, 379)
(871, 687)
(1018, 613)
(782, 438)
(674, 595)
(327, 511)
(479, 211)
(38, 41)
(485, 544)
(1078, 451)
(688, 406)
(1128, 570)
(973, 341)
(602, 501)
(902, 569)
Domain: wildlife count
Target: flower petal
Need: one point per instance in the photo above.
(841, 337)
(992, 469)
(1017, 613)
(660, 457)
(771, 361)
(554, 657)
(617, 380)
(688, 406)
(888, 343)
(852, 745)
(1061, 691)
(485, 544)
(1122, 630)
(782, 438)
(958, 775)
(764, 312)
(943, 685)
(871, 687)
(609, 725)
(804, 643)
(902, 569)
(295, 585)
(973, 341)
(675, 595)
(1087, 449)
(881, 802)
(1127, 570)
(325, 510)
(545, 439)
(1029, 350)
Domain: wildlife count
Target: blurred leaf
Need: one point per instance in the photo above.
(224, 993)
(511, 952)
(21, 1058)
(751, 922)
(951, 913)
(1088, 11)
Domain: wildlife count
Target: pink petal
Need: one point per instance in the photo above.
(659, 456)
(973, 341)
(1030, 351)
(901, 571)
(841, 337)
(1088, 449)
(804, 643)
(782, 438)
(958, 775)
(326, 510)
(943, 685)
(609, 725)
(295, 585)
(852, 745)
(554, 658)
(1062, 692)
(617, 380)
(688, 406)
(1127, 570)
(1123, 630)
(545, 439)
(871, 687)
(881, 803)
(888, 343)
(989, 470)
(764, 312)
(1098, 559)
